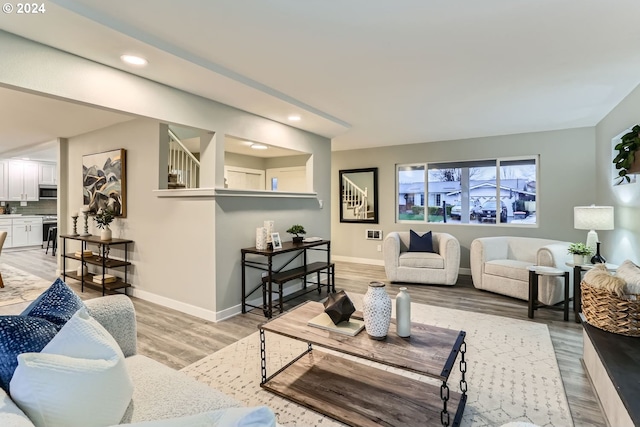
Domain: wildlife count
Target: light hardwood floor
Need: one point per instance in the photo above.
(178, 340)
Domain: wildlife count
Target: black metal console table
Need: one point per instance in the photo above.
(282, 276)
(101, 260)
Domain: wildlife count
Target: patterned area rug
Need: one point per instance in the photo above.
(20, 286)
(512, 372)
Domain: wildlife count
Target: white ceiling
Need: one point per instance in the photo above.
(371, 72)
(30, 124)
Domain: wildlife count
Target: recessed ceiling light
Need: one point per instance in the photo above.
(294, 118)
(259, 146)
(134, 60)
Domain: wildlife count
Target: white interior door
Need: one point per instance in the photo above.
(292, 179)
(243, 178)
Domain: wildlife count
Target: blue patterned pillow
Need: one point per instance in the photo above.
(57, 304)
(21, 334)
(35, 326)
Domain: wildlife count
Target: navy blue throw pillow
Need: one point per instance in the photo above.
(57, 304)
(21, 334)
(422, 243)
(32, 330)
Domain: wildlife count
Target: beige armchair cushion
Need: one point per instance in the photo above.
(440, 267)
(499, 264)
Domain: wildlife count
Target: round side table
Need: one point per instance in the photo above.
(538, 270)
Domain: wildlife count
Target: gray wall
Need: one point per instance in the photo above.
(202, 277)
(623, 242)
(567, 162)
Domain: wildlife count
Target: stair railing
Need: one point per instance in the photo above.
(182, 164)
(355, 198)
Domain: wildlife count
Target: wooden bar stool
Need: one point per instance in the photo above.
(3, 236)
(52, 239)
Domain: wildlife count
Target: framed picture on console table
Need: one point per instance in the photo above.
(358, 195)
(277, 242)
(104, 183)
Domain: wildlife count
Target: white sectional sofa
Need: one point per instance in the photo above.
(499, 264)
(160, 393)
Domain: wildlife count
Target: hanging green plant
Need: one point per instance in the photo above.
(627, 150)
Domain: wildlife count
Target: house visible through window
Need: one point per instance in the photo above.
(499, 191)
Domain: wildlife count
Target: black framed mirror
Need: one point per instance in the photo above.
(359, 195)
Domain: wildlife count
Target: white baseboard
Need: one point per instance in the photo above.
(368, 261)
(465, 271)
(182, 307)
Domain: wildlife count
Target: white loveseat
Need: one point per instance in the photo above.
(499, 264)
(438, 268)
(160, 393)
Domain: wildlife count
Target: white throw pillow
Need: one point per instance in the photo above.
(78, 380)
(259, 416)
(630, 273)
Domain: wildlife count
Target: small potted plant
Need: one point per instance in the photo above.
(628, 158)
(579, 252)
(103, 218)
(297, 229)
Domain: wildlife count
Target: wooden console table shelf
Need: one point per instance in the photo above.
(101, 260)
(281, 276)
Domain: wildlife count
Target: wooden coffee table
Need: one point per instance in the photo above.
(361, 395)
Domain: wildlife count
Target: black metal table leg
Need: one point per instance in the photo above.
(566, 296)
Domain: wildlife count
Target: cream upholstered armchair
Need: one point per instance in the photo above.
(437, 268)
(499, 264)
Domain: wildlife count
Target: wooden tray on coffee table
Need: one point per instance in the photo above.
(360, 394)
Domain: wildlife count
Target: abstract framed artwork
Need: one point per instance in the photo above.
(104, 183)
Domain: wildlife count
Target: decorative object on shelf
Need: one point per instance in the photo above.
(276, 242)
(104, 181)
(85, 213)
(376, 311)
(580, 252)
(628, 160)
(269, 225)
(82, 270)
(297, 229)
(597, 258)
(103, 218)
(74, 217)
(261, 238)
(359, 195)
(403, 313)
(593, 218)
(339, 307)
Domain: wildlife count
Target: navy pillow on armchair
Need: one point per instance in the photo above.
(422, 243)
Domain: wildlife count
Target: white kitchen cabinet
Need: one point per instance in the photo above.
(27, 231)
(48, 174)
(23, 181)
(6, 225)
(4, 189)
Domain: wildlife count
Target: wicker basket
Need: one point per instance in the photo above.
(607, 311)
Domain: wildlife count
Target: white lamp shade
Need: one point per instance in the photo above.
(593, 217)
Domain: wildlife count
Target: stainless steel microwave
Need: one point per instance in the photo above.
(47, 192)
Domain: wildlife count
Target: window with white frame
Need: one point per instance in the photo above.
(496, 191)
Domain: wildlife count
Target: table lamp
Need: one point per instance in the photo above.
(593, 218)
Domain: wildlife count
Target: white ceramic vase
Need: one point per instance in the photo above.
(403, 313)
(578, 259)
(105, 233)
(376, 311)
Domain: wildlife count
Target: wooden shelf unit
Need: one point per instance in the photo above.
(101, 260)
